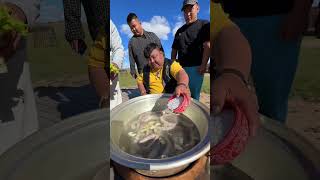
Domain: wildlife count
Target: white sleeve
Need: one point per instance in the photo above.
(31, 9)
(116, 48)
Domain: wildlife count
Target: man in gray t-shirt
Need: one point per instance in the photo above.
(140, 39)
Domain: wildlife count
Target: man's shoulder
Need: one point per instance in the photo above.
(203, 22)
(132, 40)
(182, 28)
(151, 33)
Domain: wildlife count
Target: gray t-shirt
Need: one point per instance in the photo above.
(136, 46)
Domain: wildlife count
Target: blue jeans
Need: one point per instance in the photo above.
(274, 63)
(195, 81)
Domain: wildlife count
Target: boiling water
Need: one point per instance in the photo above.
(157, 135)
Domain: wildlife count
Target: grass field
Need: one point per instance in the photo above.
(58, 62)
(307, 81)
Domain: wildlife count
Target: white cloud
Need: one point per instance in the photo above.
(179, 22)
(125, 29)
(158, 24)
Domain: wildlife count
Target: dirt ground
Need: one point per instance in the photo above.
(303, 117)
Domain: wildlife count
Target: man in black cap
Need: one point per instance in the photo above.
(192, 45)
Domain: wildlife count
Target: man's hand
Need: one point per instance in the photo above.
(134, 75)
(293, 27)
(202, 69)
(79, 46)
(296, 21)
(112, 74)
(75, 45)
(182, 89)
(231, 87)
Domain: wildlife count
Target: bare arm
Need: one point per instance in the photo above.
(99, 79)
(296, 21)
(229, 86)
(182, 83)
(230, 38)
(205, 57)
(174, 53)
(182, 77)
(141, 88)
(132, 61)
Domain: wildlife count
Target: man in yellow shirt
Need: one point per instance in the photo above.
(162, 75)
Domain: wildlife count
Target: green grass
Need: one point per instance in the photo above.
(56, 62)
(307, 81)
(206, 84)
(126, 80)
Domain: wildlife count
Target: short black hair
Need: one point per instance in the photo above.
(131, 16)
(150, 47)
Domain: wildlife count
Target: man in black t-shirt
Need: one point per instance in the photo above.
(192, 45)
(274, 30)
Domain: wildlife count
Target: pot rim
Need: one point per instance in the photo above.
(125, 159)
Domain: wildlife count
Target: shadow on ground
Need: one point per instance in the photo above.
(66, 101)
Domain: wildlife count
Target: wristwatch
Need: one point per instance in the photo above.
(182, 84)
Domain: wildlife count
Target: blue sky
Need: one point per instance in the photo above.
(161, 17)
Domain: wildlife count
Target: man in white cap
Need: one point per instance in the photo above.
(192, 45)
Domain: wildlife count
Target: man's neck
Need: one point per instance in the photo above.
(192, 21)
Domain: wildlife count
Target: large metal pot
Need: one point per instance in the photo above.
(276, 152)
(197, 112)
(75, 149)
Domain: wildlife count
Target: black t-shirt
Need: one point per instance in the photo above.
(188, 41)
(251, 8)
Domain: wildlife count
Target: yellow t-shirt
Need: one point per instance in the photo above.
(156, 84)
(97, 52)
(219, 19)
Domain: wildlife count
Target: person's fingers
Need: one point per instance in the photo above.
(178, 91)
(249, 106)
(218, 97)
(74, 45)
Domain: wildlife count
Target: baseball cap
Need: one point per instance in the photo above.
(188, 2)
